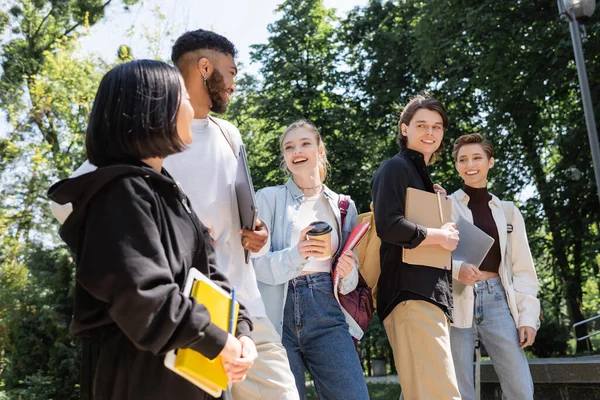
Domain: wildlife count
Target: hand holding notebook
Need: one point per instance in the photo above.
(356, 235)
(474, 243)
(208, 375)
(430, 210)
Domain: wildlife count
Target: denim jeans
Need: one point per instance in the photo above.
(495, 328)
(315, 336)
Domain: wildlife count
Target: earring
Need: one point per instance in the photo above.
(205, 79)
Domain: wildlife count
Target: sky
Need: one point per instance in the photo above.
(244, 22)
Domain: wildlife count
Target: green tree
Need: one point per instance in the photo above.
(45, 90)
(506, 70)
(513, 61)
(301, 79)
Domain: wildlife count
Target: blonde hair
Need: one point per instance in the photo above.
(303, 123)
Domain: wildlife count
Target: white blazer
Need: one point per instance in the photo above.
(521, 287)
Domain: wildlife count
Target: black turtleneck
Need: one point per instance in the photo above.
(479, 200)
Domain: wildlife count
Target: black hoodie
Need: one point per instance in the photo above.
(135, 238)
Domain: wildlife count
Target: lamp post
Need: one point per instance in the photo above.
(573, 11)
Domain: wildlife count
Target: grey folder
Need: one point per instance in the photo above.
(246, 198)
(473, 245)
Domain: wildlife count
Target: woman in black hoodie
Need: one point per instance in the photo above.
(135, 238)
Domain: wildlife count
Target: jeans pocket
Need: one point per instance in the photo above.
(327, 291)
(499, 296)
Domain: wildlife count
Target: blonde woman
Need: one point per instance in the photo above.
(295, 277)
(497, 302)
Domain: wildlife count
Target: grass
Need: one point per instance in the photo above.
(377, 391)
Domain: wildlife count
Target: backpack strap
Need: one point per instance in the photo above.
(509, 212)
(343, 204)
(225, 135)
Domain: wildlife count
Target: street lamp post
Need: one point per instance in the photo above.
(572, 11)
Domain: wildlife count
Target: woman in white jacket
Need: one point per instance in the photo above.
(497, 302)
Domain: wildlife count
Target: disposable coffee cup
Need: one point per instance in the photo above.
(321, 231)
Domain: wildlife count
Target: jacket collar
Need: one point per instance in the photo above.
(464, 198)
(297, 194)
(414, 155)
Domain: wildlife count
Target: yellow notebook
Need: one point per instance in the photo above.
(208, 375)
(430, 210)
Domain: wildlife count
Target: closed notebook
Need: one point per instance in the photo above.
(208, 375)
(474, 244)
(429, 210)
(357, 234)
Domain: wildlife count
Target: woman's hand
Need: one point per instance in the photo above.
(230, 353)
(237, 370)
(526, 336)
(345, 264)
(308, 248)
(469, 274)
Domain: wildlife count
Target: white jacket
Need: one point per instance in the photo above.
(521, 288)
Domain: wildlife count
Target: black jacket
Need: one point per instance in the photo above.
(135, 238)
(399, 281)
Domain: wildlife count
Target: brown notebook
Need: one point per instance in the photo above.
(431, 211)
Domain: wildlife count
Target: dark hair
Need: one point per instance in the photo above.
(134, 115)
(473, 138)
(201, 40)
(415, 104)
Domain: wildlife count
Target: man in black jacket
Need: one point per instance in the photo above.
(414, 301)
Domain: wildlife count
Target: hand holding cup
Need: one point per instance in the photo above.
(308, 248)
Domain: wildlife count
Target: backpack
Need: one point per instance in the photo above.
(368, 254)
(359, 302)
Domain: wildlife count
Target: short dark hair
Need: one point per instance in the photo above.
(473, 138)
(410, 109)
(134, 115)
(201, 39)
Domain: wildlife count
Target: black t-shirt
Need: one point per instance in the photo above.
(399, 281)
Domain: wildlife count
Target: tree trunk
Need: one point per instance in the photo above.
(525, 118)
(575, 294)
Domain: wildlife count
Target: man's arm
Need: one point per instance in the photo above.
(389, 187)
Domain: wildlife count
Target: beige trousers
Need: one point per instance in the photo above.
(419, 335)
(270, 377)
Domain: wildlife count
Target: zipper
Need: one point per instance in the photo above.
(184, 201)
(182, 197)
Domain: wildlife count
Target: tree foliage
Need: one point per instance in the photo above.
(504, 69)
(46, 88)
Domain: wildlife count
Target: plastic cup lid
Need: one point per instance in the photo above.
(320, 228)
